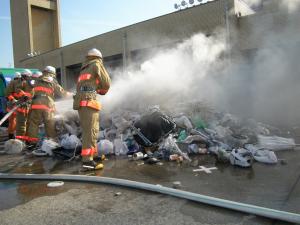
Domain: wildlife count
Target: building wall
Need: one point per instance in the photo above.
(35, 27)
(20, 30)
(267, 28)
(42, 29)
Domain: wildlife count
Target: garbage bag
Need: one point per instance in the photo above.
(120, 147)
(195, 138)
(276, 143)
(13, 146)
(153, 126)
(241, 157)
(48, 146)
(265, 156)
(171, 146)
(222, 151)
(105, 147)
(183, 122)
(262, 155)
(70, 142)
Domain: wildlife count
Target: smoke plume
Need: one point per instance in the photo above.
(260, 83)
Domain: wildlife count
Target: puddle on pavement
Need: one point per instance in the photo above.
(16, 193)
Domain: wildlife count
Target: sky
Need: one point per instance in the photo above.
(81, 19)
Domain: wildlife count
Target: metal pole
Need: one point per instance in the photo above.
(124, 52)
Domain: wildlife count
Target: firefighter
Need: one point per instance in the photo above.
(93, 80)
(11, 95)
(20, 89)
(42, 106)
(35, 76)
(24, 92)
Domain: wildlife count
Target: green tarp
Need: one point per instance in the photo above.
(9, 73)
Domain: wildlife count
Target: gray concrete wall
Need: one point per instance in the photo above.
(35, 27)
(20, 30)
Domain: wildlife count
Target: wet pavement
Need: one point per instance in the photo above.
(273, 186)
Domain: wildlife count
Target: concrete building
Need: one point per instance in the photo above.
(131, 44)
(35, 27)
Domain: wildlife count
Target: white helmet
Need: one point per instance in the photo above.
(17, 75)
(50, 69)
(241, 157)
(37, 74)
(94, 52)
(26, 73)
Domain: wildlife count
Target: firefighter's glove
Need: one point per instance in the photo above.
(11, 104)
(24, 98)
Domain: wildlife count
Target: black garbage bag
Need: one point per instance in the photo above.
(151, 127)
(66, 154)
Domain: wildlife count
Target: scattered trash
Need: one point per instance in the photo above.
(182, 135)
(241, 157)
(262, 155)
(48, 146)
(153, 126)
(70, 142)
(152, 160)
(177, 185)
(120, 147)
(13, 146)
(118, 193)
(205, 169)
(55, 184)
(105, 147)
(276, 143)
(39, 152)
(183, 122)
(265, 156)
(176, 157)
(137, 156)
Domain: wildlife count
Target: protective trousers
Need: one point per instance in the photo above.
(35, 118)
(22, 115)
(12, 122)
(89, 121)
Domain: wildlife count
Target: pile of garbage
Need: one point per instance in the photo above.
(190, 129)
(158, 134)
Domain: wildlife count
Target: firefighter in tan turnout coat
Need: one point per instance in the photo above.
(42, 108)
(93, 80)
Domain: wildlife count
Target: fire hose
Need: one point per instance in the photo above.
(17, 105)
(232, 205)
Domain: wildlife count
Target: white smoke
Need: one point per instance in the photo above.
(264, 86)
(290, 5)
(176, 74)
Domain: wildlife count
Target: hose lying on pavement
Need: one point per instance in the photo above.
(241, 207)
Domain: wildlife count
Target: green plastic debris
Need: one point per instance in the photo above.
(198, 122)
(182, 135)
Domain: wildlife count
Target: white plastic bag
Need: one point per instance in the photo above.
(265, 156)
(70, 142)
(120, 147)
(276, 143)
(13, 146)
(48, 146)
(105, 147)
(183, 122)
